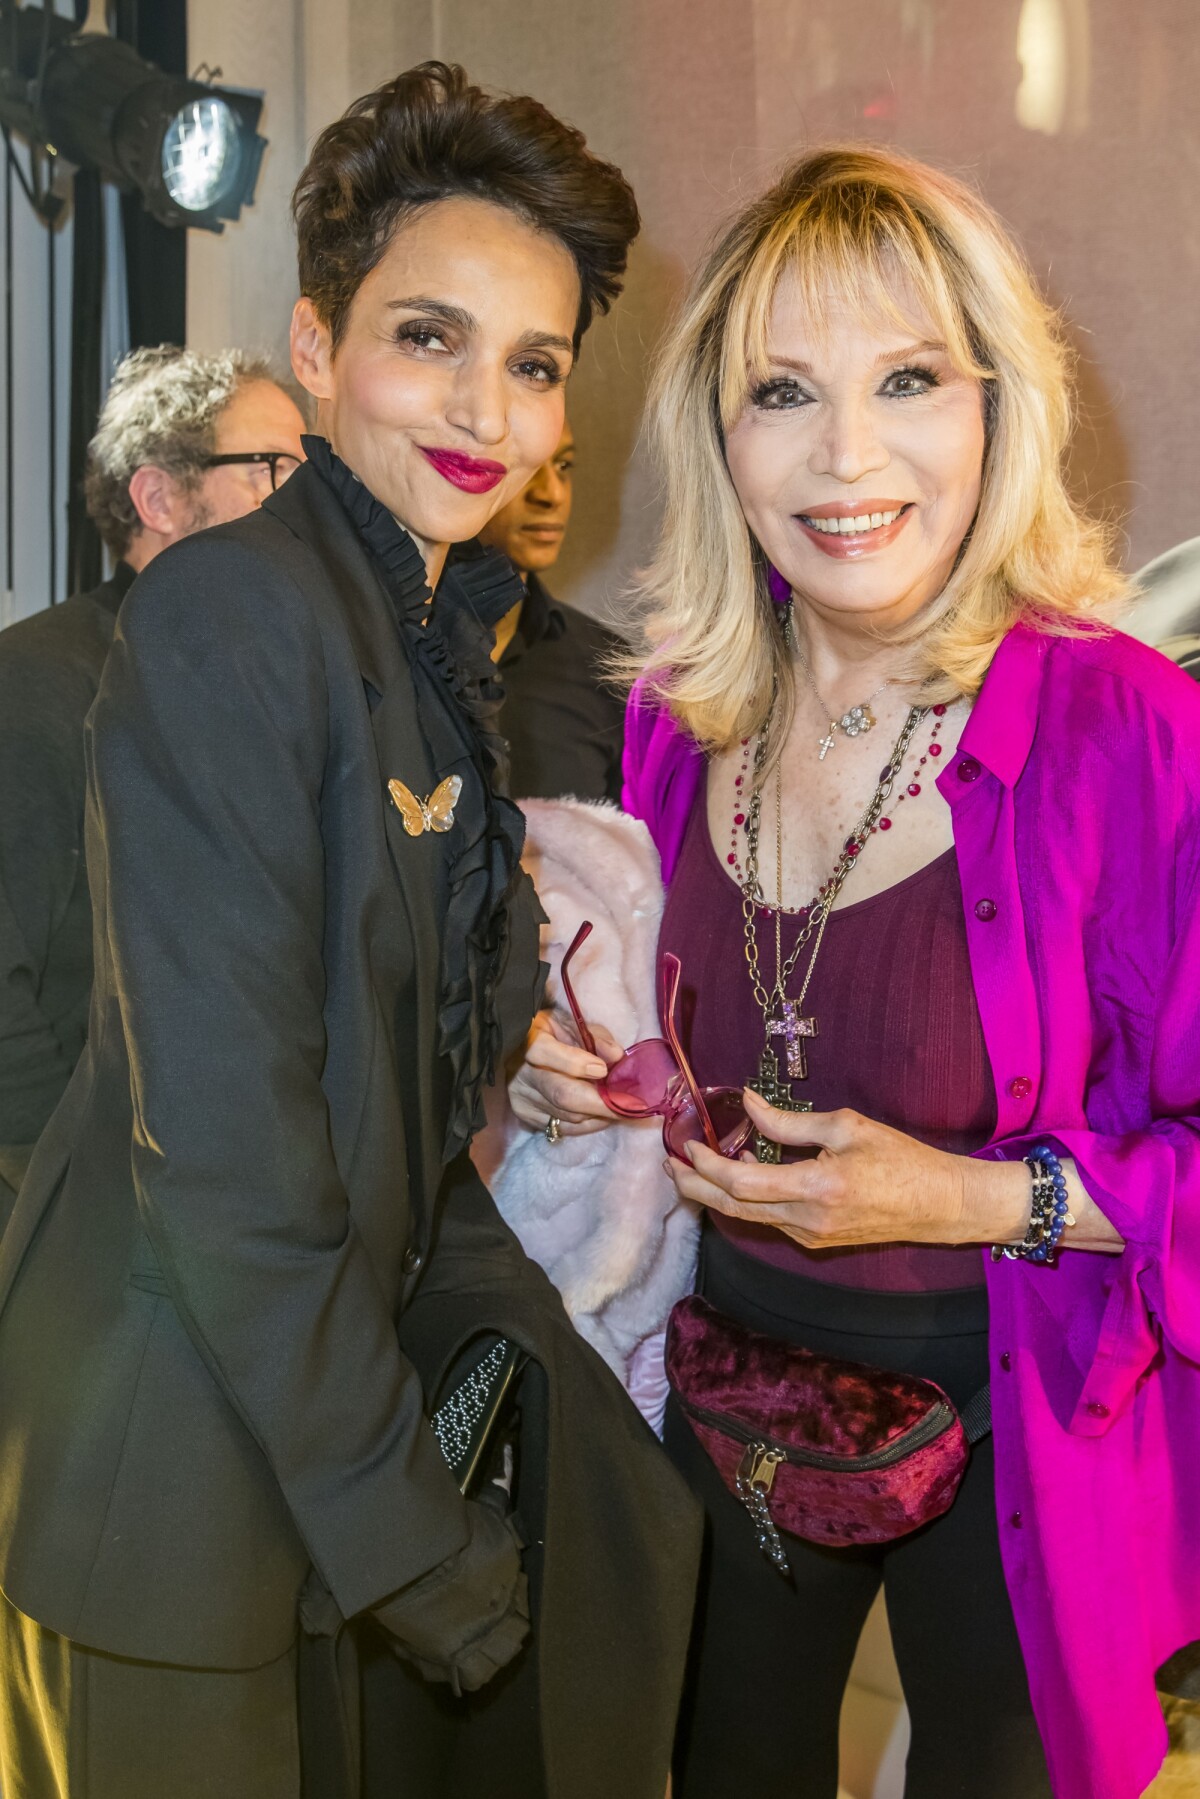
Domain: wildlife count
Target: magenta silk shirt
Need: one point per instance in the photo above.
(1075, 795)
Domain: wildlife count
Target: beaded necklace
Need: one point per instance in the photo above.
(749, 748)
(784, 1018)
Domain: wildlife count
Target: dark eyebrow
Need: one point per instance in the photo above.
(466, 321)
(545, 340)
(438, 309)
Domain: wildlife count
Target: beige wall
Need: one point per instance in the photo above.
(1077, 117)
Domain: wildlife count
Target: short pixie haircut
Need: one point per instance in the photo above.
(432, 135)
(872, 231)
(161, 408)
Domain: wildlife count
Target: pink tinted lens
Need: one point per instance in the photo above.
(729, 1120)
(640, 1084)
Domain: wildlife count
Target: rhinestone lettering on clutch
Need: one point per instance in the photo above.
(455, 1420)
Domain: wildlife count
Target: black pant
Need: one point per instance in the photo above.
(771, 1657)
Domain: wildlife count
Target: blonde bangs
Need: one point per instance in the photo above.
(873, 233)
(874, 262)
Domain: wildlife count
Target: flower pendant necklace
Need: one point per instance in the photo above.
(854, 722)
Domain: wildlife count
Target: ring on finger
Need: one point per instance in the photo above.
(553, 1132)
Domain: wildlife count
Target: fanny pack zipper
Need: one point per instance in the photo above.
(756, 1470)
(936, 1421)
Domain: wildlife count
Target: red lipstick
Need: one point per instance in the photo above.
(474, 474)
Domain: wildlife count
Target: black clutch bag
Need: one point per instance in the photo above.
(479, 1389)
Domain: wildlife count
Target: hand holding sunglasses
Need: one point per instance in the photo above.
(654, 1079)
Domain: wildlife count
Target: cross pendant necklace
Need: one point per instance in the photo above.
(793, 1028)
(791, 1023)
(778, 1093)
(782, 1017)
(852, 723)
(776, 1087)
(788, 1019)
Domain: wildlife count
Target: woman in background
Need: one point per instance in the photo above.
(931, 834)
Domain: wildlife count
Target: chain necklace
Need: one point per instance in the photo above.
(853, 722)
(782, 1017)
(912, 791)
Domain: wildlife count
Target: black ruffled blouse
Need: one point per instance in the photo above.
(490, 979)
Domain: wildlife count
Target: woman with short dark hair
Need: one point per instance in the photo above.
(251, 1242)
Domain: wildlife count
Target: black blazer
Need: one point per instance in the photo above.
(50, 668)
(203, 1400)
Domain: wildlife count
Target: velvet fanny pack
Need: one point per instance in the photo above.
(833, 1451)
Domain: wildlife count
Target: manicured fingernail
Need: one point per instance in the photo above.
(667, 1165)
(597, 1070)
(689, 1150)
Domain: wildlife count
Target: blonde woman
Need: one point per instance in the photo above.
(931, 836)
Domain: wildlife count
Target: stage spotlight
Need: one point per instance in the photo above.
(201, 156)
(191, 150)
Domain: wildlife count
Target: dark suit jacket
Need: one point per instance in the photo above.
(50, 668)
(204, 1405)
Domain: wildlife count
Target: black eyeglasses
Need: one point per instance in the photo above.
(279, 462)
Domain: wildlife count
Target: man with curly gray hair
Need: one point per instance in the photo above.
(184, 441)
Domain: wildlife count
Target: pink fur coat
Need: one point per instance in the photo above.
(597, 1212)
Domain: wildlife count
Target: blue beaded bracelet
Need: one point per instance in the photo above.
(1060, 1214)
(1049, 1214)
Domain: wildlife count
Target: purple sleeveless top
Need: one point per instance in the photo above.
(900, 1037)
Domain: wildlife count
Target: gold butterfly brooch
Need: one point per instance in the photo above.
(434, 814)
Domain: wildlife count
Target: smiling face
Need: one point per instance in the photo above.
(858, 460)
(445, 394)
(530, 529)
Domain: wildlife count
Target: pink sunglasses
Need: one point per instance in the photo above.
(654, 1079)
